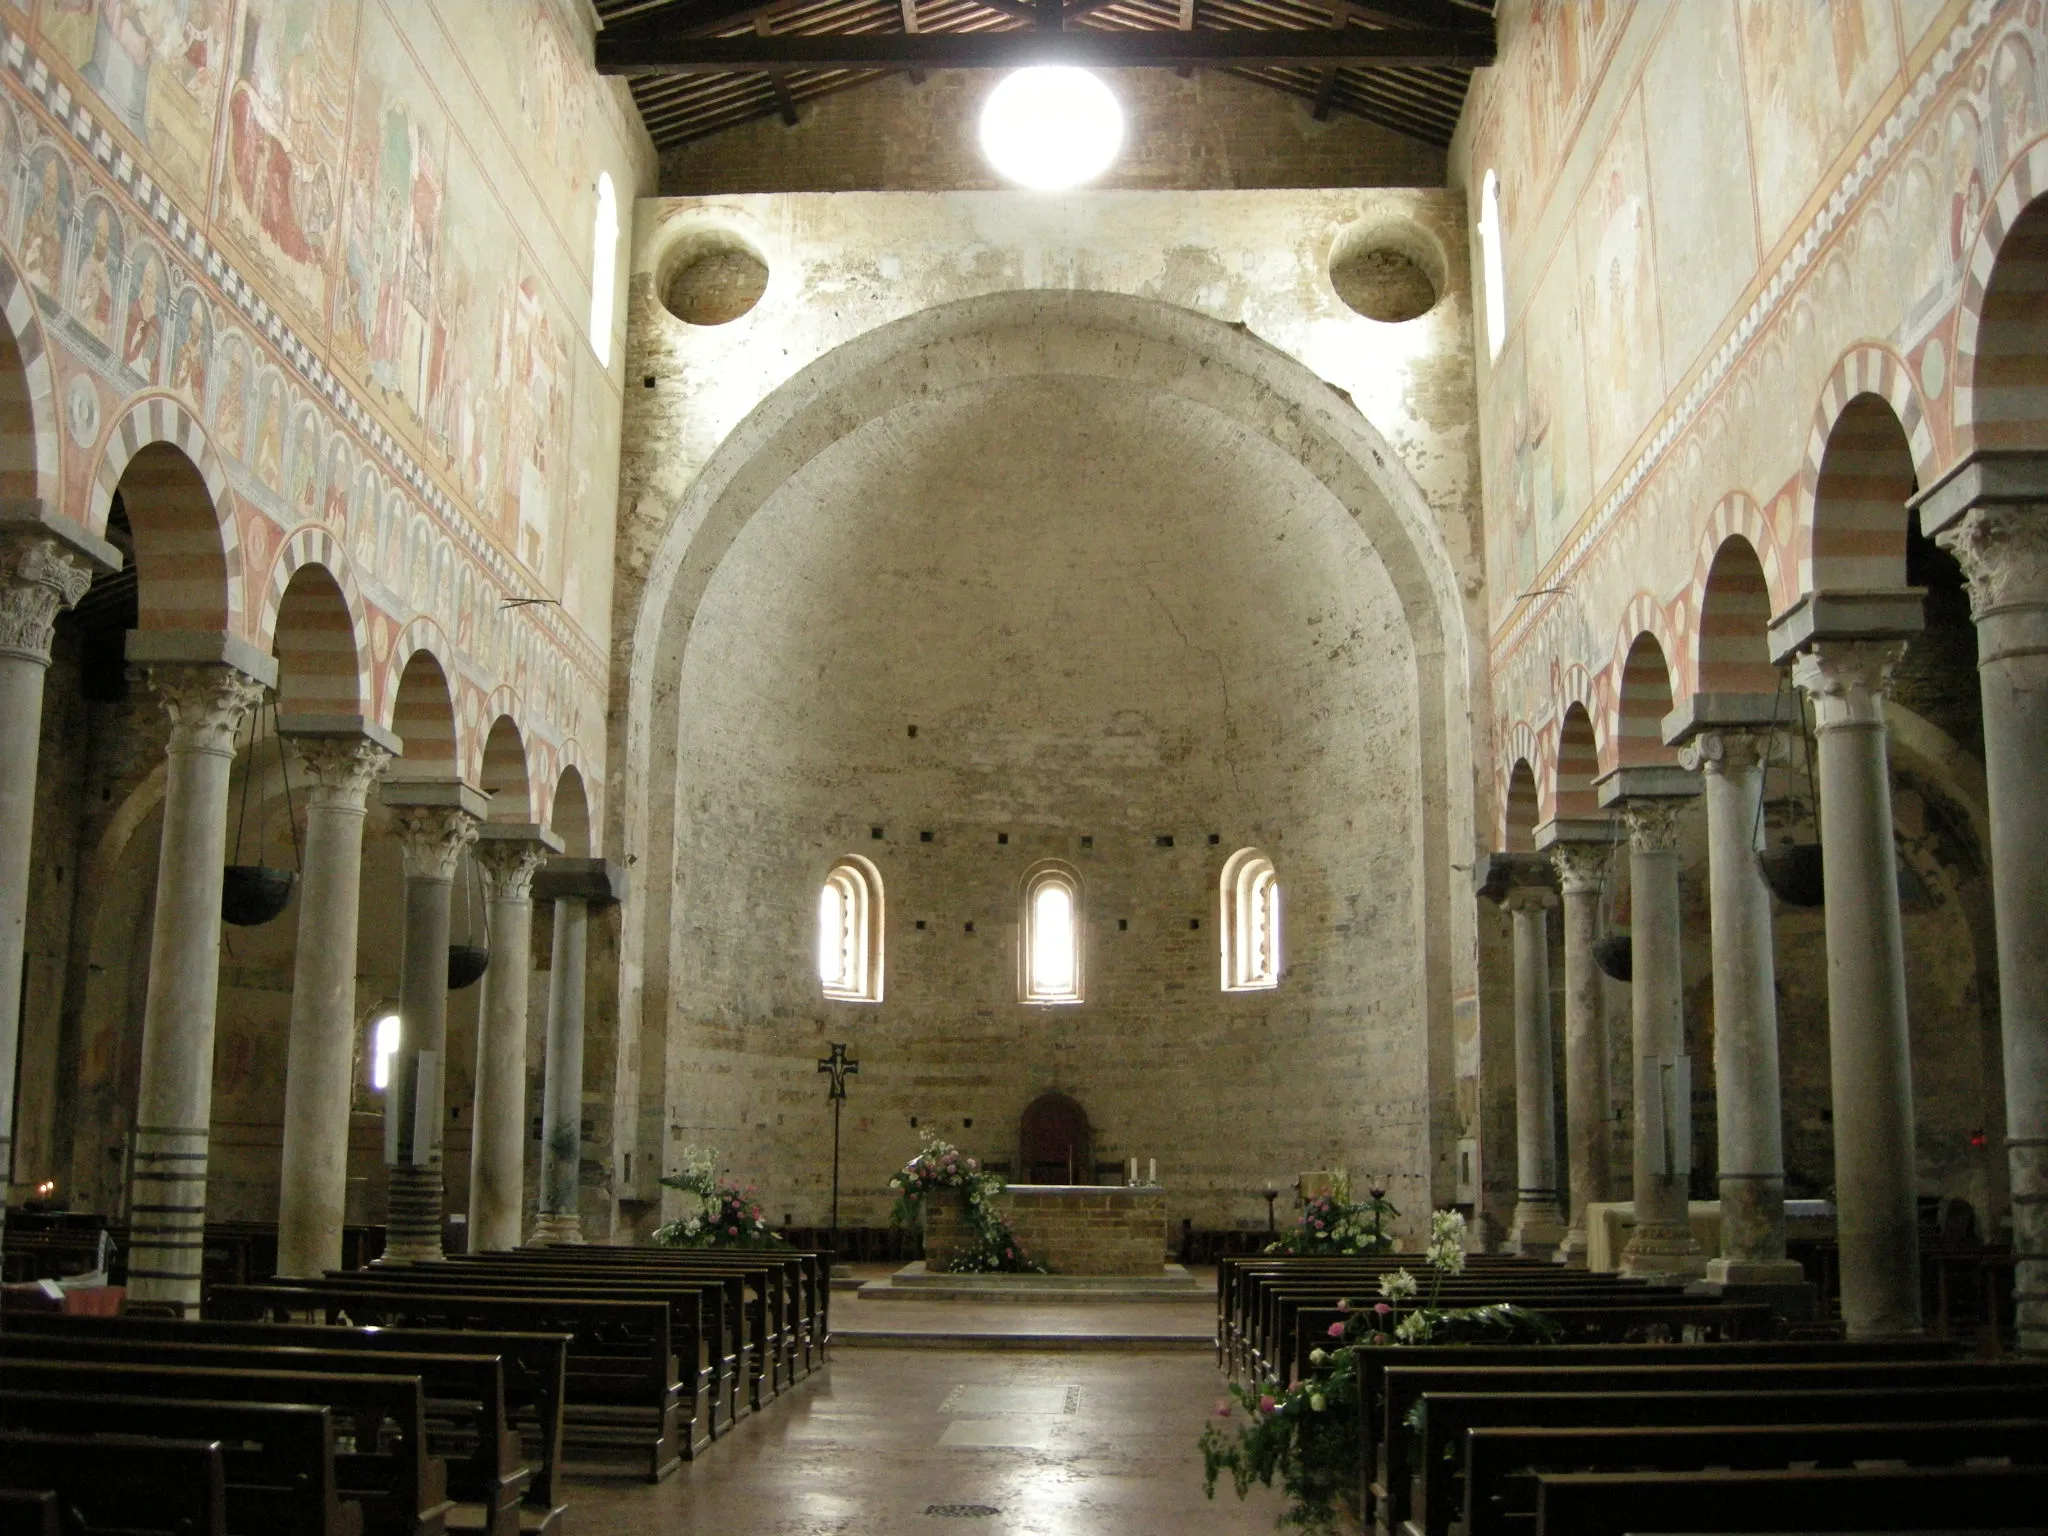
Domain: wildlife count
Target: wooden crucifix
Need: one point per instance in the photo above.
(840, 1067)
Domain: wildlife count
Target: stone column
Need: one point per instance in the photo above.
(1993, 515)
(1869, 1052)
(434, 823)
(561, 1120)
(44, 569)
(207, 703)
(1539, 1225)
(1651, 800)
(345, 758)
(1749, 1111)
(509, 857)
(1588, 1099)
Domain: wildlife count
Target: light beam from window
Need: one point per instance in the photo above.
(604, 268)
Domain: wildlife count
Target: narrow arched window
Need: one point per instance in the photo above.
(850, 932)
(1251, 922)
(604, 268)
(1050, 949)
(384, 1036)
(1493, 264)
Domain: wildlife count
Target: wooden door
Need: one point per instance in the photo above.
(1054, 1146)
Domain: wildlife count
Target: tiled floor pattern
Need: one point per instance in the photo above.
(926, 1443)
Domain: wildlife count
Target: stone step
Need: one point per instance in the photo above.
(914, 1282)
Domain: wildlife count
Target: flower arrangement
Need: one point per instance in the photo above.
(941, 1165)
(726, 1216)
(1333, 1225)
(1308, 1435)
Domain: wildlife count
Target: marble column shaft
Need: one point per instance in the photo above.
(1662, 1243)
(40, 576)
(1539, 1225)
(320, 1050)
(1749, 1111)
(1869, 1051)
(431, 841)
(2004, 552)
(561, 1143)
(207, 703)
(1588, 1095)
(497, 1164)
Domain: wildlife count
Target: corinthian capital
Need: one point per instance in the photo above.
(1581, 867)
(1653, 823)
(343, 767)
(1846, 680)
(2004, 554)
(509, 865)
(207, 703)
(431, 839)
(1726, 750)
(40, 576)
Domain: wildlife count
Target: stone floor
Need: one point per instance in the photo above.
(892, 1442)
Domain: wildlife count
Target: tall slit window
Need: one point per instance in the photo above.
(604, 268)
(850, 932)
(1050, 952)
(1251, 922)
(1493, 264)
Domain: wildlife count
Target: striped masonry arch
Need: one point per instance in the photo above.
(505, 774)
(1735, 603)
(2001, 394)
(1578, 765)
(1643, 698)
(28, 397)
(313, 617)
(188, 552)
(1520, 812)
(422, 707)
(1869, 445)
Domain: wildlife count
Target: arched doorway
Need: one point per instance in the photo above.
(1053, 1142)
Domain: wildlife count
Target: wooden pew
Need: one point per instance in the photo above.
(402, 1489)
(1372, 1366)
(121, 1484)
(465, 1393)
(1501, 1464)
(1446, 1411)
(1921, 1499)
(533, 1365)
(278, 1459)
(623, 1387)
(28, 1512)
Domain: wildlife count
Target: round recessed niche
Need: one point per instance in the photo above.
(712, 278)
(1388, 270)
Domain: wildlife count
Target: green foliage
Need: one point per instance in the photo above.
(725, 1215)
(1335, 1225)
(941, 1166)
(1308, 1437)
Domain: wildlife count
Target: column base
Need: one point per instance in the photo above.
(1574, 1251)
(1663, 1250)
(556, 1227)
(1539, 1229)
(1755, 1272)
(412, 1220)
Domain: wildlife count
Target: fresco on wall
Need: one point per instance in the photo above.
(1618, 323)
(156, 65)
(287, 109)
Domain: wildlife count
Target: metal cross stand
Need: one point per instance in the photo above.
(841, 1067)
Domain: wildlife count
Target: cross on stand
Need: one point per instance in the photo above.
(841, 1067)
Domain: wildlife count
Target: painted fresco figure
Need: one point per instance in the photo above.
(142, 330)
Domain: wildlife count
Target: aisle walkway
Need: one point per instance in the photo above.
(896, 1442)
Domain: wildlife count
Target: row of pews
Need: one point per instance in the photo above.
(1658, 1412)
(399, 1400)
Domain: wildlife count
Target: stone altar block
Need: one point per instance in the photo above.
(1072, 1229)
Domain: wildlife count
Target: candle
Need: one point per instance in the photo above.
(1134, 1171)
(1151, 1170)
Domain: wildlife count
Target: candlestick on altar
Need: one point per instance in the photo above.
(1151, 1170)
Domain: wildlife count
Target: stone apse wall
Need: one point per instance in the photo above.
(1724, 224)
(353, 286)
(1149, 537)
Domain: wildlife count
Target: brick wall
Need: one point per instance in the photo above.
(1105, 1231)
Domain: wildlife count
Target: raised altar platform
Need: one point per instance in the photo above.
(919, 1282)
(1072, 1229)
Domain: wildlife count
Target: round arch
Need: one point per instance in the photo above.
(1731, 644)
(1869, 445)
(28, 397)
(1642, 700)
(2001, 367)
(314, 618)
(506, 775)
(188, 548)
(423, 717)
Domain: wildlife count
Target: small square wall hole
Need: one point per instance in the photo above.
(648, 382)
(970, 928)
(924, 837)
(1163, 840)
(1002, 837)
(920, 925)
(1194, 923)
(967, 1124)
(913, 730)
(1215, 838)
(875, 833)
(1087, 841)
(1123, 925)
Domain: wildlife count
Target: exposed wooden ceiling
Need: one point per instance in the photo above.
(698, 66)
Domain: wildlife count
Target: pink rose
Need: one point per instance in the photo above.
(1267, 1405)
(1336, 1330)
(1382, 1308)
(1222, 1407)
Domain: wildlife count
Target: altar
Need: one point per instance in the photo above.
(1072, 1229)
